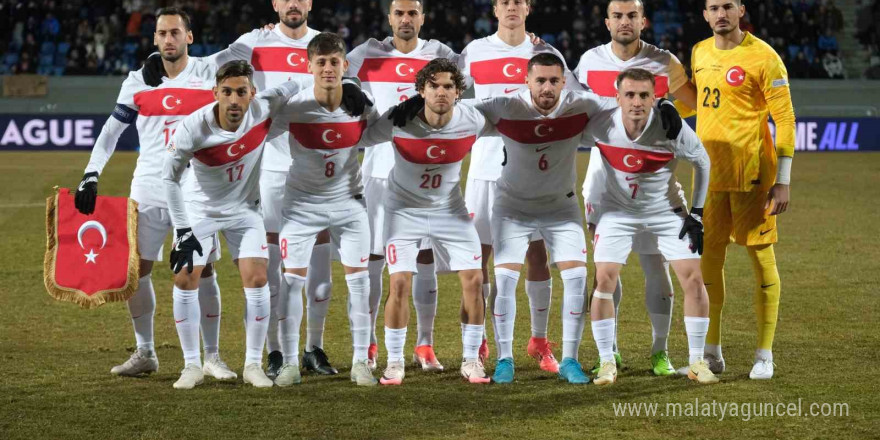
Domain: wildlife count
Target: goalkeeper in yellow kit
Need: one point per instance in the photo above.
(741, 81)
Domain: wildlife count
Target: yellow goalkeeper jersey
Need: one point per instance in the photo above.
(737, 90)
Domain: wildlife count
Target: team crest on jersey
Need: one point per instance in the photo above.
(736, 76)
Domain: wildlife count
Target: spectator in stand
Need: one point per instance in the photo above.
(799, 67)
(827, 43)
(833, 66)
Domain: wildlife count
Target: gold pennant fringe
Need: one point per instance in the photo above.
(78, 296)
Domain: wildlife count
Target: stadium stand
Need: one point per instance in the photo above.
(111, 37)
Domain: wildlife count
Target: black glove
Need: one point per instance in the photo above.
(406, 110)
(153, 70)
(354, 100)
(86, 193)
(504, 150)
(693, 228)
(669, 117)
(182, 250)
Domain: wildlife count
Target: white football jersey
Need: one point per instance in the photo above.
(541, 169)
(159, 112)
(276, 59)
(597, 71)
(499, 69)
(598, 68)
(225, 165)
(641, 171)
(325, 174)
(427, 161)
(389, 75)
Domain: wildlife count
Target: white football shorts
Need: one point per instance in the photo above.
(154, 225)
(455, 241)
(246, 237)
(272, 198)
(562, 230)
(616, 230)
(350, 228)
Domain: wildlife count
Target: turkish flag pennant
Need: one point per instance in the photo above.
(91, 259)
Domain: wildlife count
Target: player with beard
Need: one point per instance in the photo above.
(279, 55)
(223, 144)
(157, 106)
(597, 70)
(742, 81)
(387, 70)
(497, 65)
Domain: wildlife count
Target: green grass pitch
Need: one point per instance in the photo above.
(55, 358)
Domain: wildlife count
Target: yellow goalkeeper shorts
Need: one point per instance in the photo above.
(739, 217)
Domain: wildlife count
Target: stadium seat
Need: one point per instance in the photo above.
(63, 48)
(46, 60)
(196, 50)
(10, 59)
(58, 70)
(47, 48)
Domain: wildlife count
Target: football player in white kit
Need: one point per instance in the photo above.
(497, 65)
(640, 196)
(157, 109)
(424, 201)
(224, 143)
(597, 70)
(323, 191)
(279, 55)
(541, 128)
(387, 70)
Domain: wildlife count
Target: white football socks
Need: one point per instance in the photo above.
(574, 281)
(186, 319)
(618, 295)
(658, 298)
(142, 307)
(471, 339)
(290, 313)
(359, 313)
(539, 293)
(273, 276)
(489, 292)
(395, 338)
(258, 311)
(319, 287)
(375, 267)
(603, 334)
(696, 329)
(209, 305)
(504, 314)
(424, 293)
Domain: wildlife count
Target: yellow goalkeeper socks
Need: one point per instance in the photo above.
(713, 277)
(766, 293)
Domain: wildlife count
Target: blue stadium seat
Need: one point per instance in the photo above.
(60, 59)
(44, 70)
(47, 48)
(63, 48)
(58, 70)
(46, 60)
(196, 50)
(793, 50)
(11, 58)
(130, 48)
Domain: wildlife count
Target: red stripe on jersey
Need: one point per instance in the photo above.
(630, 160)
(393, 70)
(223, 154)
(328, 135)
(172, 102)
(542, 131)
(604, 83)
(434, 151)
(280, 59)
(500, 71)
